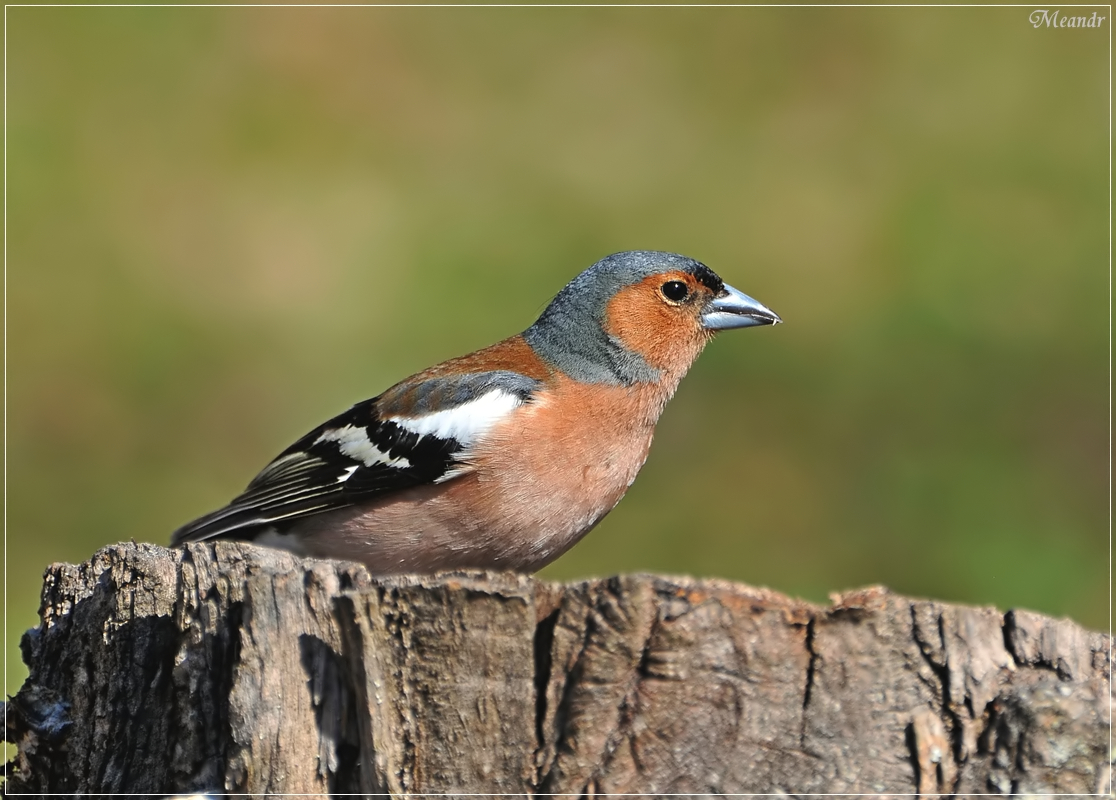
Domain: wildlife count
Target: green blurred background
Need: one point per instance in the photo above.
(227, 224)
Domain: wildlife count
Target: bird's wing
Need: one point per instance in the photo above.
(414, 434)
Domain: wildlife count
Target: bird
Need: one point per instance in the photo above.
(504, 458)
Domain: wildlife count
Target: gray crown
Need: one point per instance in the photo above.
(570, 334)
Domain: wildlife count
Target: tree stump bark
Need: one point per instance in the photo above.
(230, 668)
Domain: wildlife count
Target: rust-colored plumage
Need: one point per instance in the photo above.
(506, 457)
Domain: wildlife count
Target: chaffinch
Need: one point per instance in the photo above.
(506, 457)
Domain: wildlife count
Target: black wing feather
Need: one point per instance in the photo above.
(315, 475)
(310, 476)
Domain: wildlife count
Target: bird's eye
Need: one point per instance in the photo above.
(675, 291)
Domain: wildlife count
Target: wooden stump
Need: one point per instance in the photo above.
(228, 667)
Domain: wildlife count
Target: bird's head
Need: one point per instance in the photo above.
(638, 316)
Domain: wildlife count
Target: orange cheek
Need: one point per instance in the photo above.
(668, 337)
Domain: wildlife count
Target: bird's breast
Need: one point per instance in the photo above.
(551, 471)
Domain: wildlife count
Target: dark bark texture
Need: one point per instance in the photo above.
(230, 668)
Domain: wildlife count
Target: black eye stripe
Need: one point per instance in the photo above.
(675, 291)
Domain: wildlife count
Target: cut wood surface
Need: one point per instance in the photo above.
(231, 668)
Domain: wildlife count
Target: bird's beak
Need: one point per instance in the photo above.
(734, 309)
